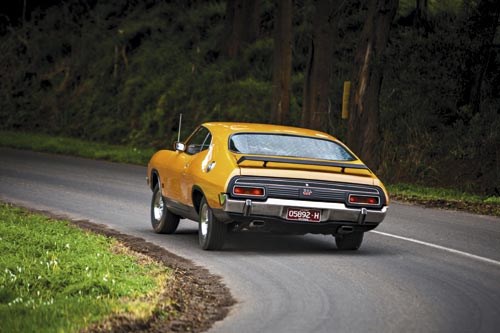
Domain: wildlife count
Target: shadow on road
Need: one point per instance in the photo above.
(267, 244)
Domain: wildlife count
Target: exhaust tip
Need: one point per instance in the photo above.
(257, 224)
(345, 229)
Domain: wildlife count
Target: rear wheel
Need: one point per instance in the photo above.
(211, 232)
(350, 241)
(162, 220)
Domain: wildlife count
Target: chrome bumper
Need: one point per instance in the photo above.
(330, 211)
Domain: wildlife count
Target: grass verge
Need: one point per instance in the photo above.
(55, 277)
(445, 198)
(427, 196)
(75, 147)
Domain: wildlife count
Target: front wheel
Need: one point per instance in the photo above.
(162, 220)
(211, 232)
(350, 242)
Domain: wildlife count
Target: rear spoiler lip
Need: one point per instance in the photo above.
(266, 160)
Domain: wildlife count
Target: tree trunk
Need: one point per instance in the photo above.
(363, 125)
(482, 26)
(315, 107)
(282, 62)
(421, 19)
(241, 27)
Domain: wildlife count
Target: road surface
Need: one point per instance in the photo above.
(422, 270)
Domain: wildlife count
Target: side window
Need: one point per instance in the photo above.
(199, 141)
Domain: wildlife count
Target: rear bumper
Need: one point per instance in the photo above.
(270, 216)
(330, 211)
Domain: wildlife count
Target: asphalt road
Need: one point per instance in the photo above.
(422, 270)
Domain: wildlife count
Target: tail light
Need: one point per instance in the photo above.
(249, 191)
(363, 200)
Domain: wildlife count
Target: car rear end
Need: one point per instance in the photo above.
(298, 205)
(285, 188)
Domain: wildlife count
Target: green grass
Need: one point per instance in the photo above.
(434, 193)
(57, 278)
(445, 198)
(75, 147)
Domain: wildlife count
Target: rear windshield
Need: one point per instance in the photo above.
(289, 146)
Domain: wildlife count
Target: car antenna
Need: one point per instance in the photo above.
(180, 124)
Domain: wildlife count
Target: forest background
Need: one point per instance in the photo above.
(424, 102)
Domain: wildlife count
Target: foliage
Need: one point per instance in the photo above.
(426, 139)
(54, 277)
(122, 72)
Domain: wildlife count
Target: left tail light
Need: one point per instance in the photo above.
(247, 191)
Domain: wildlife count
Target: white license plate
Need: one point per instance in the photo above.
(303, 214)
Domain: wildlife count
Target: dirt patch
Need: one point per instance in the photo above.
(196, 297)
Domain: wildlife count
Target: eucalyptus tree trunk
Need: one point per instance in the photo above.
(421, 18)
(316, 103)
(242, 26)
(282, 62)
(363, 125)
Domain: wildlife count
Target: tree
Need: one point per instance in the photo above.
(241, 27)
(315, 107)
(282, 62)
(481, 29)
(421, 18)
(363, 124)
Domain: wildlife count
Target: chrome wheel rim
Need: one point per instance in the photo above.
(158, 206)
(204, 221)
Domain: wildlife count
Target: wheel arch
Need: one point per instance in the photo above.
(155, 179)
(196, 196)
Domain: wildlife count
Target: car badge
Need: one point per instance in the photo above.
(306, 192)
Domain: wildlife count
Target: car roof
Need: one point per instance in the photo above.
(228, 128)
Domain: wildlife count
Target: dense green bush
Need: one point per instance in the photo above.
(426, 138)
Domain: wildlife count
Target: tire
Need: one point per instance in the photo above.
(163, 221)
(211, 232)
(349, 242)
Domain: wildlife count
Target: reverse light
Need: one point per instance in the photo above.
(363, 200)
(249, 191)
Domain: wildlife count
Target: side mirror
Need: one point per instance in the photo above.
(179, 146)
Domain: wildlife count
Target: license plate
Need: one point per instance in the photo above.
(303, 214)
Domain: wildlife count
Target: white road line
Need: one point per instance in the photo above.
(465, 254)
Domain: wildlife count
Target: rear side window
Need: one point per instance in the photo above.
(288, 146)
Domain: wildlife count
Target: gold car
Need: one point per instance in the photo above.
(239, 177)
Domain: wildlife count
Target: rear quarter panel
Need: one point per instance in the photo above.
(215, 181)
